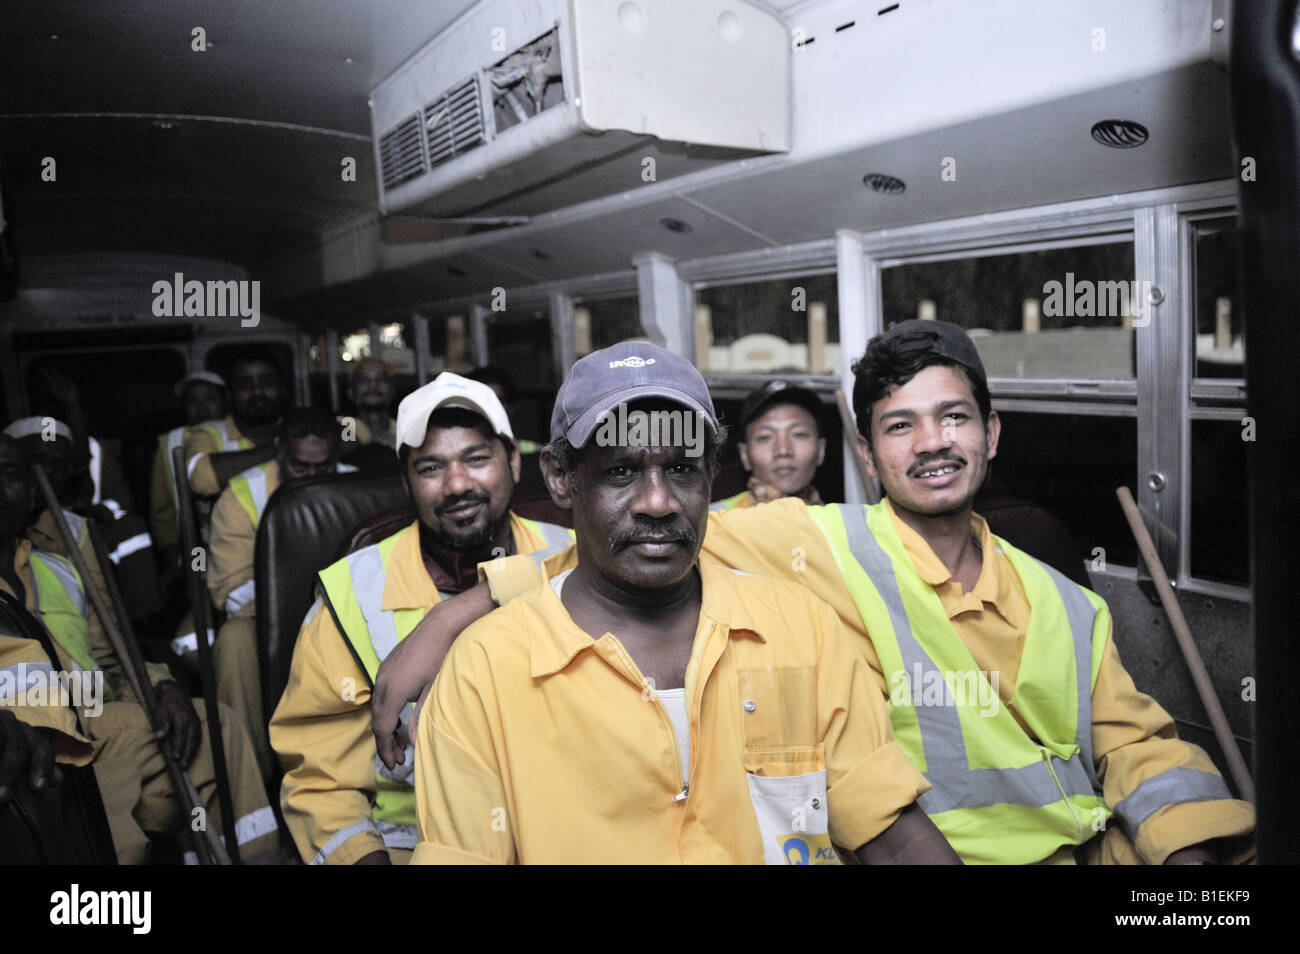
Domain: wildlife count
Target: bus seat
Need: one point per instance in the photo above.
(305, 524)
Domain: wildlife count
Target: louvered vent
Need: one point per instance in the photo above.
(401, 153)
(453, 123)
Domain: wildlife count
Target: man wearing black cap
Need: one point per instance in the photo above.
(781, 445)
(650, 707)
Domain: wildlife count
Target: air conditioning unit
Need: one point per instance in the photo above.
(523, 107)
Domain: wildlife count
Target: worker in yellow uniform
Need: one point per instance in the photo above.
(459, 467)
(371, 391)
(633, 710)
(968, 638)
(129, 768)
(781, 445)
(203, 397)
(307, 445)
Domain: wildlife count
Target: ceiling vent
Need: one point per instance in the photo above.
(518, 109)
(1119, 133)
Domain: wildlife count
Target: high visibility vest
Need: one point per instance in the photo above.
(353, 589)
(730, 503)
(999, 796)
(252, 489)
(60, 602)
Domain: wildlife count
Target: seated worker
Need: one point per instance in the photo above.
(51, 443)
(370, 390)
(215, 451)
(307, 445)
(129, 767)
(781, 445)
(650, 707)
(459, 467)
(1056, 739)
(204, 398)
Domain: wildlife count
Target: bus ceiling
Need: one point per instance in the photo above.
(358, 159)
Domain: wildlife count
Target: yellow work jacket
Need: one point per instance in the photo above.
(340, 802)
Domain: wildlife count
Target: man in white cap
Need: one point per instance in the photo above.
(459, 466)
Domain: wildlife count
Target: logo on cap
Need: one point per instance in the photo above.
(632, 362)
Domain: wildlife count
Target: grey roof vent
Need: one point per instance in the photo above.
(885, 184)
(401, 153)
(453, 123)
(1119, 133)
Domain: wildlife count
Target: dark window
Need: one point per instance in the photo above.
(774, 326)
(1219, 519)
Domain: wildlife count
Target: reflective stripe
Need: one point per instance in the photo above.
(345, 469)
(113, 507)
(718, 505)
(241, 596)
(339, 838)
(955, 784)
(194, 462)
(23, 678)
(399, 836)
(1171, 787)
(189, 643)
(77, 524)
(141, 541)
(556, 538)
(66, 576)
(250, 489)
(255, 825)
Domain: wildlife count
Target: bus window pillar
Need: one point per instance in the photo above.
(332, 366)
(564, 337)
(858, 281)
(667, 314)
(478, 337)
(420, 324)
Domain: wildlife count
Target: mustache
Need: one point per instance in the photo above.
(470, 498)
(647, 532)
(933, 459)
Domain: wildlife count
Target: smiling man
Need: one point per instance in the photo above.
(650, 707)
(780, 446)
(459, 467)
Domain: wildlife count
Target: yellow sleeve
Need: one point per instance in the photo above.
(162, 503)
(321, 733)
(1165, 792)
(460, 798)
(512, 576)
(198, 445)
(231, 548)
(869, 778)
(26, 680)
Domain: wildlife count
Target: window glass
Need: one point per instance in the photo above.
(1220, 323)
(603, 322)
(776, 326)
(1071, 465)
(1056, 313)
(519, 342)
(1219, 519)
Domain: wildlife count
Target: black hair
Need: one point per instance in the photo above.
(494, 376)
(885, 366)
(302, 422)
(233, 356)
(458, 417)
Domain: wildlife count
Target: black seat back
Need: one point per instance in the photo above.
(302, 530)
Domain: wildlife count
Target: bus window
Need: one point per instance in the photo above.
(519, 343)
(1220, 324)
(1218, 540)
(1055, 313)
(1071, 464)
(787, 325)
(601, 322)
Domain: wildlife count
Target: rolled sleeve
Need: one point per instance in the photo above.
(509, 577)
(199, 444)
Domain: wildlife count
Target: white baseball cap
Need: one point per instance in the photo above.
(447, 390)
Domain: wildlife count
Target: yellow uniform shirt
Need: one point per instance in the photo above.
(32, 701)
(199, 445)
(162, 496)
(232, 546)
(1133, 737)
(542, 745)
(321, 727)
